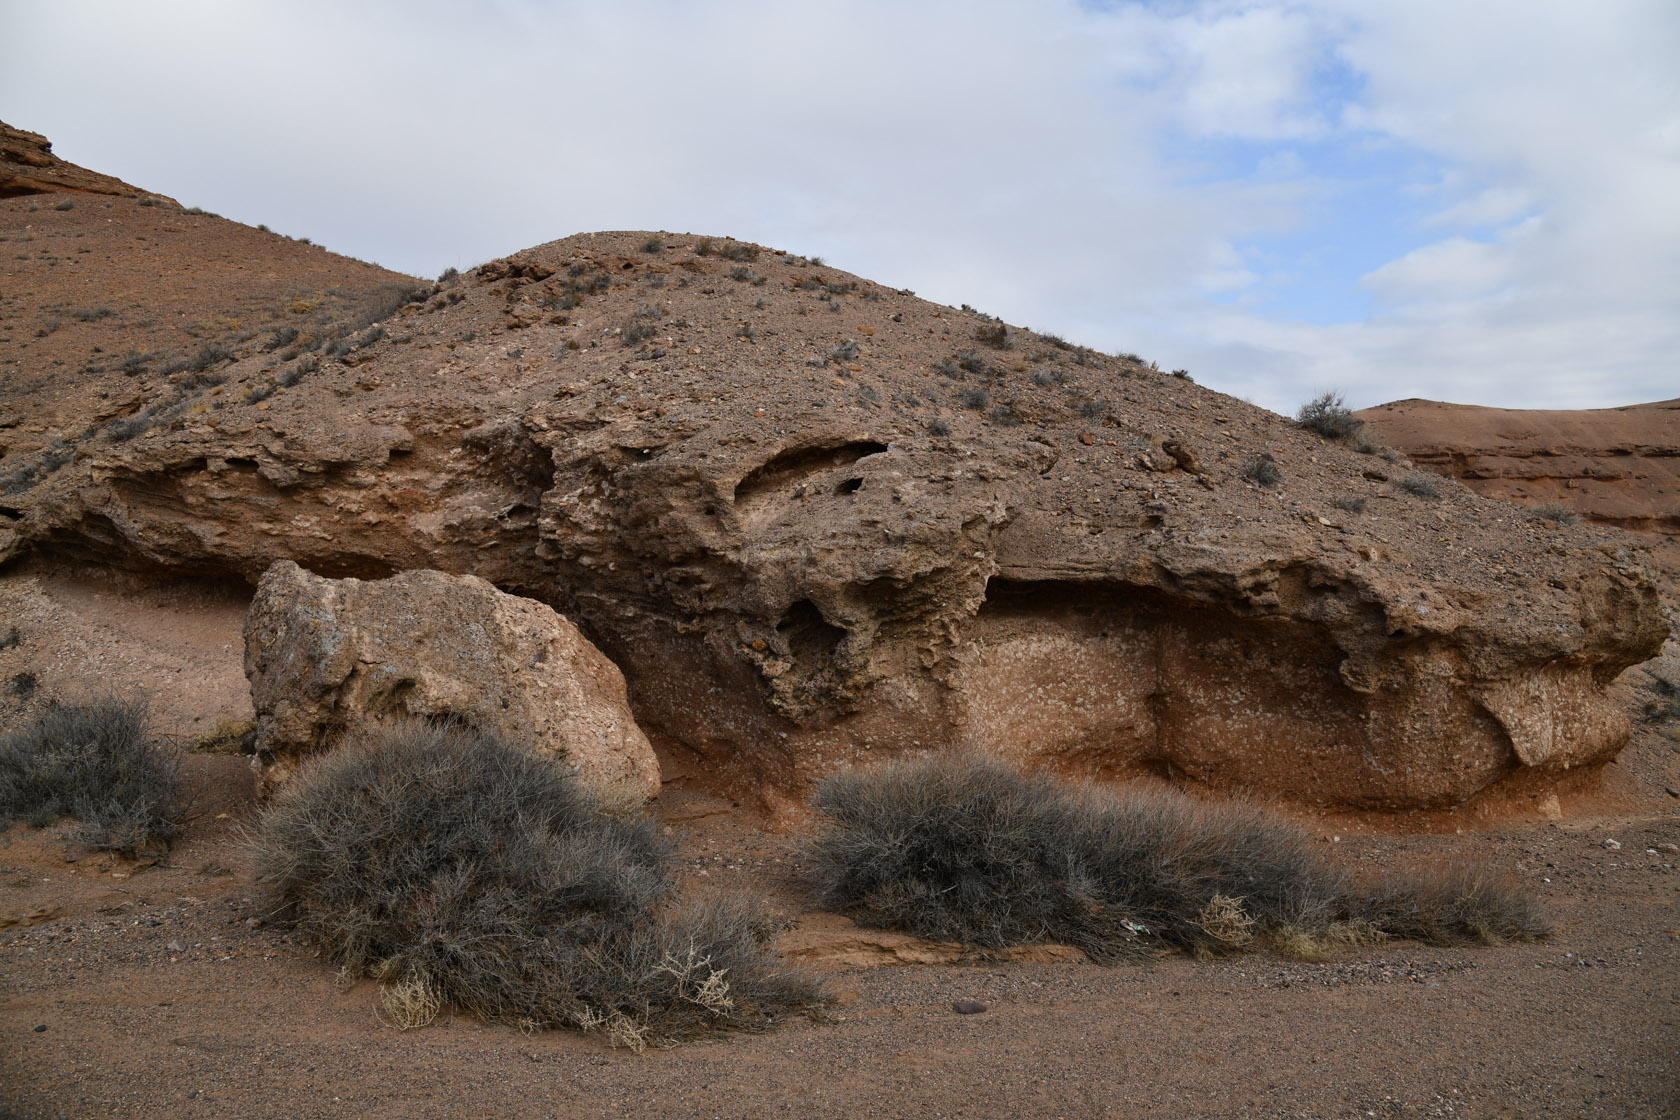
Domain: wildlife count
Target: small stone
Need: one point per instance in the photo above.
(968, 1007)
(1612, 845)
(40, 1028)
(176, 947)
(1668, 848)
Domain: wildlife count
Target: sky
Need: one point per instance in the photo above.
(1465, 200)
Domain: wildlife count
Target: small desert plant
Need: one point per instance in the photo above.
(448, 274)
(228, 736)
(1662, 705)
(994, 334)
(126, 428)
(283, 336)
(49, 459)
(1183, 375)
(971, 361)
(973, 398)
(1421, 486)
(1327, 416)
(738, 252)
(938, 428)
(1351, 505)
(1557, 512)
(1004, 415)
(65, 204)
(96, 763)
(967, 849)
(1261, 470)
(1057, 341)
(1045, 378)
(462, 870)
(258, 393)
(298, 372)
(653, 245)
(846, 351)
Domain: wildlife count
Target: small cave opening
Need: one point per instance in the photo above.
(810, 637)
(850, 486)
(788, 468)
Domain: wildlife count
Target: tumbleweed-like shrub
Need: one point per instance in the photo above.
(1327, 416)
(97, 763)
(461, 870)
(968, 849)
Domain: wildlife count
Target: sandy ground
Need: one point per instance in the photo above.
(132, 990)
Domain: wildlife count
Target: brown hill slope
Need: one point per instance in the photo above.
(813, 518)
(1613, 466)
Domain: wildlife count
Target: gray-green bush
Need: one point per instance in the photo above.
(967, 849)
(1327, 416)
(97, 764)
(461, 870)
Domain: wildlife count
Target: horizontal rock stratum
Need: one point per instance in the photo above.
(815, 519)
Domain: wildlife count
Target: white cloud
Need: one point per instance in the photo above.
(1015, 157)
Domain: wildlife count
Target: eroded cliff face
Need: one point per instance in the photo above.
(814, 520)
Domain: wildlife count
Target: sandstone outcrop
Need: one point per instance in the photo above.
(327, 659)
(813, 518)
(28, 166)
(1613, 466)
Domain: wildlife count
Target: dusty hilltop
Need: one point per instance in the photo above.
(810, 518)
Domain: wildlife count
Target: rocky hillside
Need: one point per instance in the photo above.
(812, 518)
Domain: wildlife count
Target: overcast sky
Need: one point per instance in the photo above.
(1467, 200)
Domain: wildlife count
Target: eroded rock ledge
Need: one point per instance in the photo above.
(813, 519)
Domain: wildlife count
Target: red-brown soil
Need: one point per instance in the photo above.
(1613, 466)
(157, 990)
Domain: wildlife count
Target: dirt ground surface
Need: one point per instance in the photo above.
(136, 990)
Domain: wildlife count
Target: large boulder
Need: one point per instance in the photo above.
(329, 657)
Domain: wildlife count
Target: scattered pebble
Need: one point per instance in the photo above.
(966, 1007)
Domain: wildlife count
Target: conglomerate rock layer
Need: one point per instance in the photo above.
(814, 519)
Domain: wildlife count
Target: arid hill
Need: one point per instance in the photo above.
(808, 516)
(1612, 466)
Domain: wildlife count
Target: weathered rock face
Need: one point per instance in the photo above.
(329, 658)
(28, 166)
(813, 519)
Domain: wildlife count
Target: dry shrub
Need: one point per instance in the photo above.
(1327, 416)
(98, 764)
(1451, 902)
(967, 849)
(464, 871)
